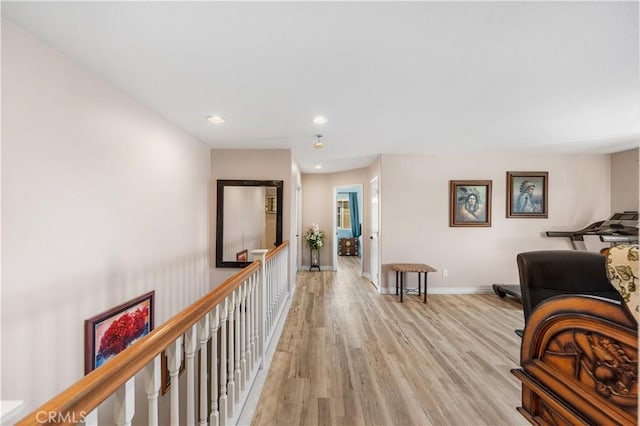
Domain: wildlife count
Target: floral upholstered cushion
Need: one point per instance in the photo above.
(622, 268)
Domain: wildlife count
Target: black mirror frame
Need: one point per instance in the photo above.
(222, 183)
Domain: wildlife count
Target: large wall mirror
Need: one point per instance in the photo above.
(249, 217)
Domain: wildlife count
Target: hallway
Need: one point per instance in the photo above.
(349, 356)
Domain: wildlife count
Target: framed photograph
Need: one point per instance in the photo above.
(242, 256)
(527, 194)
(111, 332)
(470, 203)
(165, 376)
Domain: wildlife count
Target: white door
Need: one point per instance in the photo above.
(374, 234)
(334, 249)
(300, 241)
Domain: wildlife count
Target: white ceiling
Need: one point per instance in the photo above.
(410, 77)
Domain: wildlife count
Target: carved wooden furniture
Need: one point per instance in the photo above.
(402, 268)
(579, 360)
(348, 247)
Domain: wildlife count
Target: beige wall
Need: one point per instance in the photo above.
(624, 181)
(252, 165)
(415, 213)
(102, 201)
(414, 220)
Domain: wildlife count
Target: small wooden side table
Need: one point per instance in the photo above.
(402, 268)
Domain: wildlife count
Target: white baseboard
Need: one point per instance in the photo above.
(445, 290)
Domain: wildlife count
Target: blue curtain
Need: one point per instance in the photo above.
(355, 215)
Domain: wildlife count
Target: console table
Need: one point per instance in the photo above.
(402, 268)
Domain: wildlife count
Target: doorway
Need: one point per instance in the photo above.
(347, 226)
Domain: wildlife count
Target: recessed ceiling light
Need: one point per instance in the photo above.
(318, 166)
(216, 119)
(319, 119)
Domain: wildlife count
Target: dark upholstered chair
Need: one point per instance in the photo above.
(549, 273)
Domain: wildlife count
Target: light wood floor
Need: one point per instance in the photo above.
(350, 356)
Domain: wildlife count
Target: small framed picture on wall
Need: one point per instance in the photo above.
(111, 332)
(470, 203)
(242, 256)
(527, 194)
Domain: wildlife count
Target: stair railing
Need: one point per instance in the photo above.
(223, 337)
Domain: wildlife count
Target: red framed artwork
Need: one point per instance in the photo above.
(242, 256)
(109, 333)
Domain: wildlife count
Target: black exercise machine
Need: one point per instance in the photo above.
(620, 228)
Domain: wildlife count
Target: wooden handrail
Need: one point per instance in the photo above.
(85, 395)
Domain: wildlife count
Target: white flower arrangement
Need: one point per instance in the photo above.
(315, 237)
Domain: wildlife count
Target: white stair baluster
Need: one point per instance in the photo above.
(174, 360)
(91, 419)
(243, 334)
(214, 322)
(191, 338)
(152, 373)
(276, 290)
(238, 337)
(256, 319)
(203, 327)
(250, 322)
(266, 305)
(230, 380)
(261, 307)
(223, 361)
(272, 295)
(263, 301)
(124, 404)
(247, 330)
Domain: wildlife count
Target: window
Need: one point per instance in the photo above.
(271, 204)
(343, 218)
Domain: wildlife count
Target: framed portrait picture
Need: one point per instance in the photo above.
(527, 194)
(470, 203)
(111, 332)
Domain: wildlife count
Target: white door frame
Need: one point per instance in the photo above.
(299, 241)
(334, 228)
(336, 189)
(374, 233)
